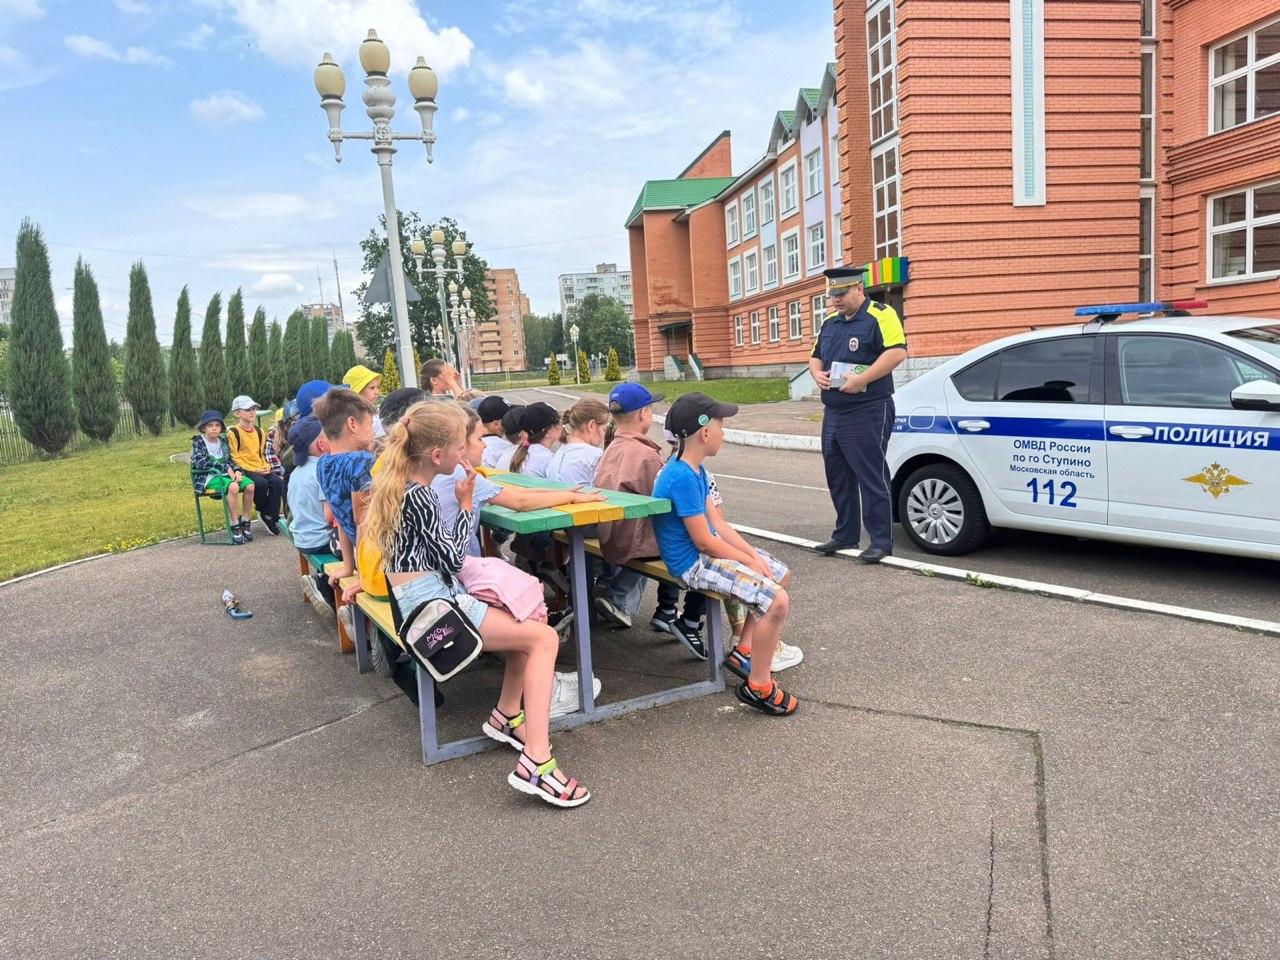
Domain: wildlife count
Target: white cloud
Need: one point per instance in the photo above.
(87, 46)
(21, 9)
(10, 59)
(460, 114)
(226, 107)
(251, 206)
(133, 8)
(197, 39)
(296, 32)
(276, 285)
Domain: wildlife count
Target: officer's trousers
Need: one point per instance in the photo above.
(853, 447)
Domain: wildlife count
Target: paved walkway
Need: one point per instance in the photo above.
(973, 774)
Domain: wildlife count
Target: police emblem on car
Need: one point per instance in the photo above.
(853, 343)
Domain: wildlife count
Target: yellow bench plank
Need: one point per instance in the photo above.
(650, 568)
(379, 611)
(585, 514)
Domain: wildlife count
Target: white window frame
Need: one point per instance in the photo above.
(817, 312)
(1149, 15)
(1248, 225)
(1250, 70)
(768, 200)
(755, 328)
(813, 173)
(837, 239)
(792, 234)
(775, 333)
(737, 330)
(731, 235)
(735, 278)
(817, 247)
(834, 154)
(769, 256)
(1147, 116)
(751, 271)
(891, 245)
(795, 320)
(748, 232)
(887, 110)
(1026, 45)
(1148, 199)
(792, 167)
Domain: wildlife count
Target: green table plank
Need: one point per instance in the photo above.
(634, 505)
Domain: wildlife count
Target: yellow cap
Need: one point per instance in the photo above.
(359, 377)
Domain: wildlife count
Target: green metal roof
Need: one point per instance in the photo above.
(676, 194)
(787, 118)
(811, 95)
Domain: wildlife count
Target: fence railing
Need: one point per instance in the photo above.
(15, 449)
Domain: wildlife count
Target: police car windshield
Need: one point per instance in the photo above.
(1266, 338)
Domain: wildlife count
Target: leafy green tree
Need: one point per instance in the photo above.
(260, 385)
(375, 326)
(277, 369)
(612, 374)
(144, 374)
(553, 371)
(93, 381)
(319, 353)
(584, 367)
(543, 336)
(603, 323)
(184, 379)
(294, 359)
(390, 372)
(39, 375)
(237, 357)
(213, 364)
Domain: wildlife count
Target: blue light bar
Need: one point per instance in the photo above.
(1116, 309)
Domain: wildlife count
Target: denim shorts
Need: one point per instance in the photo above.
(429, 586)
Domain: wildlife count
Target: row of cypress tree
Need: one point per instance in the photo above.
(50, 397)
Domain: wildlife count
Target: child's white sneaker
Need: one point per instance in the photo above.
(786, 656)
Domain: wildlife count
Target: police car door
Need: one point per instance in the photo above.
(1182, 459)
(1030, 418)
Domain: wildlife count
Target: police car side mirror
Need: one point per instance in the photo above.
(1256, 395)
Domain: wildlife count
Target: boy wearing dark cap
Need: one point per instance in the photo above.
(310, 528)
(491, 411)
(500, 459)
(715, 558)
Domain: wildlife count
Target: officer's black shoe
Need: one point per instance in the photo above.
(832, 547)
(873, 555)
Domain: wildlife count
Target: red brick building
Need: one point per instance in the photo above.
(497, 346)
(1001, 163)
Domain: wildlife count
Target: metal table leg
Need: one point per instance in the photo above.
(582, 618)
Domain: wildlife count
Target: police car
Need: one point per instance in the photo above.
(1162, 430)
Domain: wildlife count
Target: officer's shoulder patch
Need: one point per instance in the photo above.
(877, 305)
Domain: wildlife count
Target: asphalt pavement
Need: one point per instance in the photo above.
(972, 773)
(785, 491)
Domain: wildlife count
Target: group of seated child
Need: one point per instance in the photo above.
(401, 508)
(241, 465)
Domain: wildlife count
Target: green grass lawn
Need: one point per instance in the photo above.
(729, 390)
(101, 499)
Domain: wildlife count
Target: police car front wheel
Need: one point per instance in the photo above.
(941, 510)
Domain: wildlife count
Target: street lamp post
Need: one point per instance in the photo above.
(573, 335)
(420, 251)
(380, 103)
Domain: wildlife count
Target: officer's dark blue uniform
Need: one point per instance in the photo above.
(856, 426)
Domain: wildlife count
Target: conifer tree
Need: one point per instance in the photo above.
(260, 386)
(553, 371)
(235, 352)
(39, 387)
(144, 375)
(319, 353)
(342, 355)
(275, 364)
(390, 373)
(295, 337)
(612, 373)
(184, 379)
(214, 388)
(93, 380)
(584, 367)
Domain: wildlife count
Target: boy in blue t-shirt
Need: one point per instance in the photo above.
(716, 559)
(345, 472)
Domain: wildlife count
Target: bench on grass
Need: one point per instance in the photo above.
(315, 563)
(373, 616)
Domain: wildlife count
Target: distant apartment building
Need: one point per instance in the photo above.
(497, 345)
(330, 311)
(607, 281)
(7, 275)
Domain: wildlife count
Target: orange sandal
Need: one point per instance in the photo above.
(775, 701)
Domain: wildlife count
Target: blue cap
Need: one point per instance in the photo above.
(309, 393)
(301, 437)
(626, 397)
(208, 417)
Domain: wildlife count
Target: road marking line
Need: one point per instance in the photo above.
(774, 483)
(1040, 588)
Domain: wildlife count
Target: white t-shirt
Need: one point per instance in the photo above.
(575, 462)
(495, 446)
(535, 464)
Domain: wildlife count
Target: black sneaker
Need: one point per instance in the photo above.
(561, 621)
(236, 536)
(690, 636)
(272, 526)
(245, 531)
(664, 621)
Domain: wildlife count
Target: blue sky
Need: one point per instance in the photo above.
(188, 132)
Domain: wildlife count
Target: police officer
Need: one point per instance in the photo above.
(852, 362)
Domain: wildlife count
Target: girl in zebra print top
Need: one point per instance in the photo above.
(422, 561)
